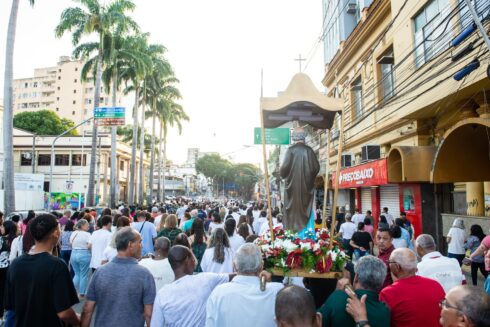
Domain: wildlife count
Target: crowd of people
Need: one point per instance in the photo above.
(196, 264)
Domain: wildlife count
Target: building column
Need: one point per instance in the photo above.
(486, 188)
(474, 199)
(376, 205)
(358, 200)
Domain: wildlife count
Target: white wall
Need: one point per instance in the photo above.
(26, 200)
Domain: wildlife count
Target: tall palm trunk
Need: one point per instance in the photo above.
(93, 157)
(142, 154)
(113, 190)
(8, 174)
(164, 161)
(159, 192)
(152, 159)
(133, 170)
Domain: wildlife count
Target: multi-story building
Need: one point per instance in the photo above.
(60, 89)
(416, 115)
(72, 161)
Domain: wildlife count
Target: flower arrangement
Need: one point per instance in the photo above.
(313, 255)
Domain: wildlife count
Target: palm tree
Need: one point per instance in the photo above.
(161, 74)
(100, 20)
(135, 74)
(9, 190)
(170, 113)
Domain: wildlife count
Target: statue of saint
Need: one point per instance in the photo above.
(299, 170)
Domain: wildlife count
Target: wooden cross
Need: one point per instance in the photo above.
(300, 60)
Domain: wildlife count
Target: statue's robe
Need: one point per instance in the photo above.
(299, 170)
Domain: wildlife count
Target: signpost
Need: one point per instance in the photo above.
(110, 116)
(280, 136)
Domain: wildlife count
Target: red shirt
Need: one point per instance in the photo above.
(385, 257)
(413, 301)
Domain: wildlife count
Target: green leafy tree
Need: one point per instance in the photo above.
(43, 122)
(126, 132)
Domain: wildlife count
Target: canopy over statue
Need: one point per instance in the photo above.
(299, 170)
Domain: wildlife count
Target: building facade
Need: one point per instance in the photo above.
(60, 89)
(407, 104)
(72, 163)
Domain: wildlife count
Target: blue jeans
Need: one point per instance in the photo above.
(66, 255)
(358, 254)
(80, 262)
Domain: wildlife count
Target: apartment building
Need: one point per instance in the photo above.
(415, 114)
(60, 89)
(72, 163)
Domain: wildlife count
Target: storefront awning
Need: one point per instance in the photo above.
(464, 153)
(410, 163)
(300, 102)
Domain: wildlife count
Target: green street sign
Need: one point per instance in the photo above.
(109, 112)
(280, 136)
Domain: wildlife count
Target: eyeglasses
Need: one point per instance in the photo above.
(393, 262)
(445, 305)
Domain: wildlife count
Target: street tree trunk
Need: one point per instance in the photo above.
(8, 166)
(160, 167)
(152, 160)
(93, 157)
(113, 189)
(142, 156)
(133, 169)
(164, 162)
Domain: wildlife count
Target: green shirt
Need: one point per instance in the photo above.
(334, 314)
(171, 234)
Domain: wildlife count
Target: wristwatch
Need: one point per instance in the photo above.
(362, 323)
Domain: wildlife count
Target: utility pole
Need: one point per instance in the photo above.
(33, 157)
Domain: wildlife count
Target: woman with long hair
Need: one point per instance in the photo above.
(244, 219)
(170, 229)
(456, 238)
(10, 233)
(216, 223)
(218, 258)
(65, 252)
(473, 243)
(161, 225)
(81, 255)
(198, 241)
(243, 230)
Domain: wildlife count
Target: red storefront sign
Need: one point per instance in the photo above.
(369, 174)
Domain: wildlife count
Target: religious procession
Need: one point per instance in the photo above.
(211, 182)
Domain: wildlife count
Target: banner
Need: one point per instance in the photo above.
(63, 201)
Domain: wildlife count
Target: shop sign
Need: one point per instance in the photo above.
(369, 174)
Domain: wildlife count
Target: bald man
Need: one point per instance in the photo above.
(299, 170)
(465, 306)
(413, 300)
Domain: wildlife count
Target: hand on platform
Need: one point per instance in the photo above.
(267, 275)
(341, 283)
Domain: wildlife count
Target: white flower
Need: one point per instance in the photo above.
(278, 243)
(305, 246)
(333, 253)
(265, 247)
(316, 247)
(289, 246)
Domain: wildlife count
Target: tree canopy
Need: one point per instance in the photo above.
(242, 175)
(43, 122)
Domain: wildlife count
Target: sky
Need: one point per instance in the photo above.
(217, 49)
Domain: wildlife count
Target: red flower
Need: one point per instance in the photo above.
(294, 260)
(324, 236)
(324, 265)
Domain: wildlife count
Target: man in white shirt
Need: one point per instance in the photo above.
(100, 239)
(434, 265)
(358, 217)
(183, 302)
(346, 231)
(257, 224)
(388, 216)
(241, 302)
(159, 266)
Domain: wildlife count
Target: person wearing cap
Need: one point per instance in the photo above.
(154, 212)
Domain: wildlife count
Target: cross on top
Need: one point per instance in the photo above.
(300, 60)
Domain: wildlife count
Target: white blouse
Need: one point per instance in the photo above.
(208, 265)
(79, 240)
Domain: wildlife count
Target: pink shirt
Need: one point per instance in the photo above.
(486, 243)
(370, 230)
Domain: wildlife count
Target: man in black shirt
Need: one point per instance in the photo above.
(362, 242)
(39, 288)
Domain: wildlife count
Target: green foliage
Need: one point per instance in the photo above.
(127, 136)
(244, 175)
(43, 122)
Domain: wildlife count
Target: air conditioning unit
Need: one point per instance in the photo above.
(352, 8)
(370, 152)
(347, 160)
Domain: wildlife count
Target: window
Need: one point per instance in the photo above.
(25, 159)
(74, 101)
(26, 85)
(76, 160)
(74, 91)
(73, 113)
(34, 84)
(57, 109)
(57, 98)
(59, 77)
(387, 82)
(481, 7)
(430, 35)
(121, 165)
(59, 70)
(62, 159)
(356, 98)
(75, 81)
(76, 69)
(59, 88)
(88, 101)
(44, 160)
